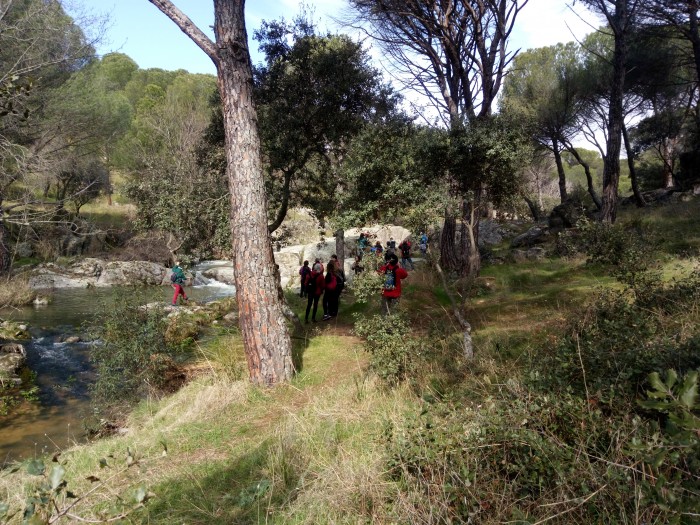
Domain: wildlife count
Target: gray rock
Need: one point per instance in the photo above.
(490, 233)
(531, 237)
(24, 249)
(566, 215)
(95, 272)
(222, 274)
(12, 359)
(231, 317)
(536, 253)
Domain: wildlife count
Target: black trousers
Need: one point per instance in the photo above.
(312, 299)
(330, 303)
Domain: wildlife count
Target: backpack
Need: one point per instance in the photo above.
(340, 283)
(390, 278)
(173, 277)
(332, 283)
(310, 282)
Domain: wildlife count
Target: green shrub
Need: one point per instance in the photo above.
(394, 350)
(624, 335)
(132, 355)
(520, 457)
(623, 247)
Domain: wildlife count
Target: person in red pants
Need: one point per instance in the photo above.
(178, 278)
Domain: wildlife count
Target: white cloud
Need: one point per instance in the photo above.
(547, 22)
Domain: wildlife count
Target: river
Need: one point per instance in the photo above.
(64, 372)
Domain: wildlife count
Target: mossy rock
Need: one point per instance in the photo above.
(13, 330)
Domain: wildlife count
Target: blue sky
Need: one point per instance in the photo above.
(139, 30)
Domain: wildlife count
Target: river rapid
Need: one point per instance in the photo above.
(63, 369)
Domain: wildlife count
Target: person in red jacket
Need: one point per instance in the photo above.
(393, 275)
(314, 289)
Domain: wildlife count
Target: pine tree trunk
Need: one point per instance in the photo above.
(638, 197)
(563, 195)
(340, 247)
(611, 164)
(471, 217)
(589, 177)
(265, 335)
(448, 251)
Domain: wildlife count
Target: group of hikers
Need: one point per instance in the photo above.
(328, 283)
(314, 285)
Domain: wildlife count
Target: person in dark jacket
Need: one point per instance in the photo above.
(330, 295)
(178, 279)
(405, 248)
(393, 275)
(304, 273)
(314, 290)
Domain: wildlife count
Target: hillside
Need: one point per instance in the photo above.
(549, 423)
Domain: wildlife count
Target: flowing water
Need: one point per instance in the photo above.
(63, 370)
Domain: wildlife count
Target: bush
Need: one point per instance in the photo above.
(394, 350)
(624, 336)
(132, 355)
(624, 248)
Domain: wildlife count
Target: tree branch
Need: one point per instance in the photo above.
(188, 27)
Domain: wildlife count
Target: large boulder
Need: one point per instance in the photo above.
(96, 272)
(132, 272)
(534, 235)
(566, 215)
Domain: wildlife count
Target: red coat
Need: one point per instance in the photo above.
(400, 275)
(319, 283)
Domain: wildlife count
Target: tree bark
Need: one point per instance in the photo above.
(611, 165)
(448, 253)
(469, 241)
(665, 151)
(5, 258)
(589, 177)
(560, 170)
(638, 197)
(534, 209)
(263, 328)
(340, 248)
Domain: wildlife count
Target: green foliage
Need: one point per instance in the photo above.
(177, 188)
(627, 334)
(368, 285)
(132, 353)
(673, 456)
(394, 349)
(625, 248)
(50, 499)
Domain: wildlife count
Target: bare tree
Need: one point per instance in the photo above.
(266, 338)
(454, 52)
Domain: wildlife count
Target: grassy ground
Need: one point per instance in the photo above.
(315, 451)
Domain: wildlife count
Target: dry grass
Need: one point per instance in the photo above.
(15, 292)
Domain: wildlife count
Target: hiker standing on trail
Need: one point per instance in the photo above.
(393, 275)
(423, 244)
(405, 248)
(330, 296)
(357, 265)
(304, 273)
(390, 249)
(314, 288)
(177, 279)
